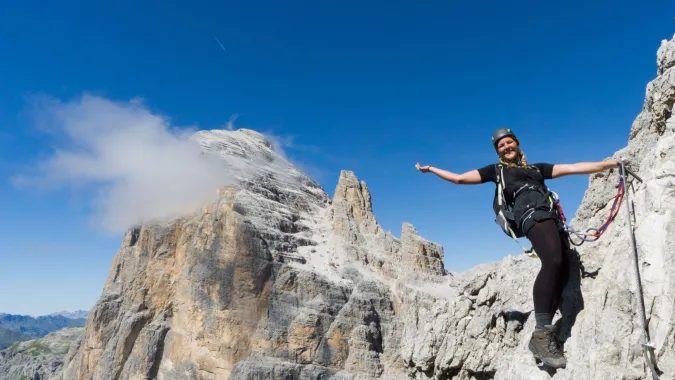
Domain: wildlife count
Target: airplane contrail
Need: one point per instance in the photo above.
(221, 45)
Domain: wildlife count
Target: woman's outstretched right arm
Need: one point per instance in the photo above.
(469, 178)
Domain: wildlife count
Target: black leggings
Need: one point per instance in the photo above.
(551, 246)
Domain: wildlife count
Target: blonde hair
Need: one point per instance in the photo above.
(521, 161)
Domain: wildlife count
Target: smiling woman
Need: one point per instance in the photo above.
(534, 215)
(508, 148)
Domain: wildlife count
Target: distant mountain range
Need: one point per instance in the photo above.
(72, 315)
(17, 328)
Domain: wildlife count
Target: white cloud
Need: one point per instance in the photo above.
(279, 143)
(141, 166)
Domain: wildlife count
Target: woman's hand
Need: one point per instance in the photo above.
(423, 169)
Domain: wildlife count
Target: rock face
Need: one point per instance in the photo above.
(482, 330)
(609, 325)
(38, 359)
(277, 280)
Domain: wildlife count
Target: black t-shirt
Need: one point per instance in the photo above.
(515, 177)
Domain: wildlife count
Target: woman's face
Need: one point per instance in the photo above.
(508, 148)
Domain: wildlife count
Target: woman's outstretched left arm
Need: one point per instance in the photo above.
(560, 170)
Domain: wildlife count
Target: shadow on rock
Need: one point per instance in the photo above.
(572, 299)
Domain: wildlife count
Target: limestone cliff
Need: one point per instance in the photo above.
(278, 280)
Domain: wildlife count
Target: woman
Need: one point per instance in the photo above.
(538, 222)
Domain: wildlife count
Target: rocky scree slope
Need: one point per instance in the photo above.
(278, 280)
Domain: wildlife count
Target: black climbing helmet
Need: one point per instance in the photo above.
(501, 133)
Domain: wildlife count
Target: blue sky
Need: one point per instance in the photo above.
(372, 88)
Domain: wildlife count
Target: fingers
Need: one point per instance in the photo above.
(423, 169)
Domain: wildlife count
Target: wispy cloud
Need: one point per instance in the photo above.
(286, 143)
(230, 123)
(140, 166)
(220, 44)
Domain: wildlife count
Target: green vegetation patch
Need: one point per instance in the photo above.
(37, 348)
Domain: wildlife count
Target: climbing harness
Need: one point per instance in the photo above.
(505, 215)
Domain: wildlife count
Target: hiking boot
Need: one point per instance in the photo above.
(546, 347)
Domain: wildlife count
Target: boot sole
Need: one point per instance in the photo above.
(541, 362)
(539, 358)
